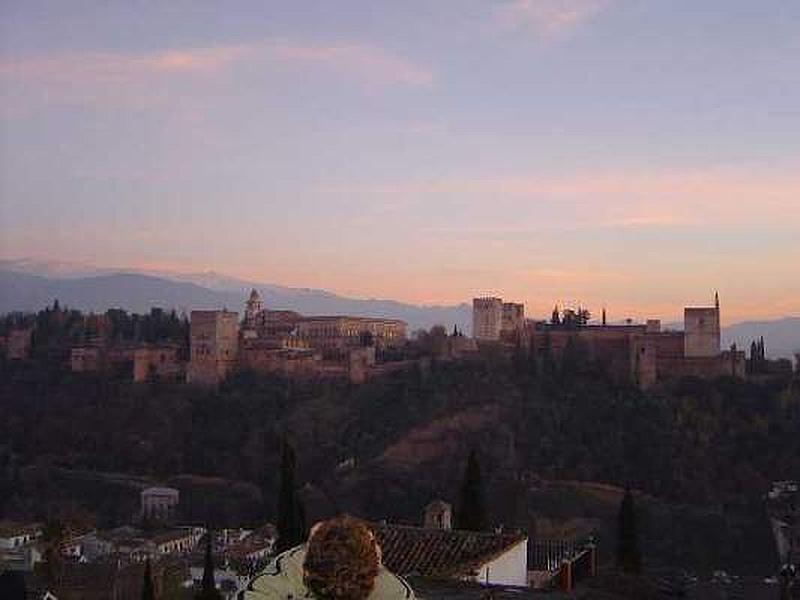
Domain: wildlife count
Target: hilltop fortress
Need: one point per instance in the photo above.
(283, 341)
(215, 343)
(644, 352)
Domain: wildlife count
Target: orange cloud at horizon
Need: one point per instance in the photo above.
(642, 243)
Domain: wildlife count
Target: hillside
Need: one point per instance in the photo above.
(554, 449)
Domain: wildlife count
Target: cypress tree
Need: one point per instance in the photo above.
(208, 591)
(148, 593)
(291, 516)
(471, 514)
(628, 557)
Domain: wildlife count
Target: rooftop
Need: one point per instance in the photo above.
(352, 318)
(15, 528)
(160, 491)
(171, 535)
(440, 553)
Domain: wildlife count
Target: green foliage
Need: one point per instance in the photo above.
(157, 326)
(629, 558)
(57, 329)
(208, 589)
(715, 445)
(291, 514)
(432, 342)
(148, 593)
(471, 509)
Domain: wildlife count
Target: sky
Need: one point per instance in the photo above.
(633, 154)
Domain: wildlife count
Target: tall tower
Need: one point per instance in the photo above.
(214, 342)
(253, 308)
(702, 331)
(487, 318)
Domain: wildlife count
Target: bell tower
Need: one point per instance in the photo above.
(253, 308)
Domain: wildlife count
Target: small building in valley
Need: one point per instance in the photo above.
(159, 503)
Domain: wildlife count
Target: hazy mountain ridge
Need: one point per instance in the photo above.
(138, 292)
(781, 336)
(28, 285)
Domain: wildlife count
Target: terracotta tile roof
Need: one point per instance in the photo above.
(164, 537)
(439, 553)
(255, 542)
(13, 528)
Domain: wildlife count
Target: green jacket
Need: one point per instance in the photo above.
(282, 579)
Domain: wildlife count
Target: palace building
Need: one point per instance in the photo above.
(285, 342)
(643, 353)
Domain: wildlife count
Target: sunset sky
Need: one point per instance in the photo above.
(637, 154)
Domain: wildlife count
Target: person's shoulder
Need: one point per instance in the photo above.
(281, 578)
(389, 586)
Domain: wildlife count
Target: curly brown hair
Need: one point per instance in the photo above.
(342, 560)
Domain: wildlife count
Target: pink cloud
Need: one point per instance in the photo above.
(614, 199)
(549, 18)
(371, 64)
(113, 66)
(101, 79)
(139, 80)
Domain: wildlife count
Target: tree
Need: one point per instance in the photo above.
(471, 513)
(628, 557)
(753, 357)
(52, 539)
(533, 359)
(519, 357)
(208, 590)
(291, 516)
(148, 593)
(548, 358)
(570, 360)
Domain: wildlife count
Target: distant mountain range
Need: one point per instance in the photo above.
(27, 285)
(138, 292)
(781, 336)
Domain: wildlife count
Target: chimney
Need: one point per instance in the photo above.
(438, 515)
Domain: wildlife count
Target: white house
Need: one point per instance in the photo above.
(15, 535)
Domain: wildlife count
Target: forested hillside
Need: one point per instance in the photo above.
(699, 454)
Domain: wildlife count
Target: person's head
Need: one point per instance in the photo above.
(342, 560)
